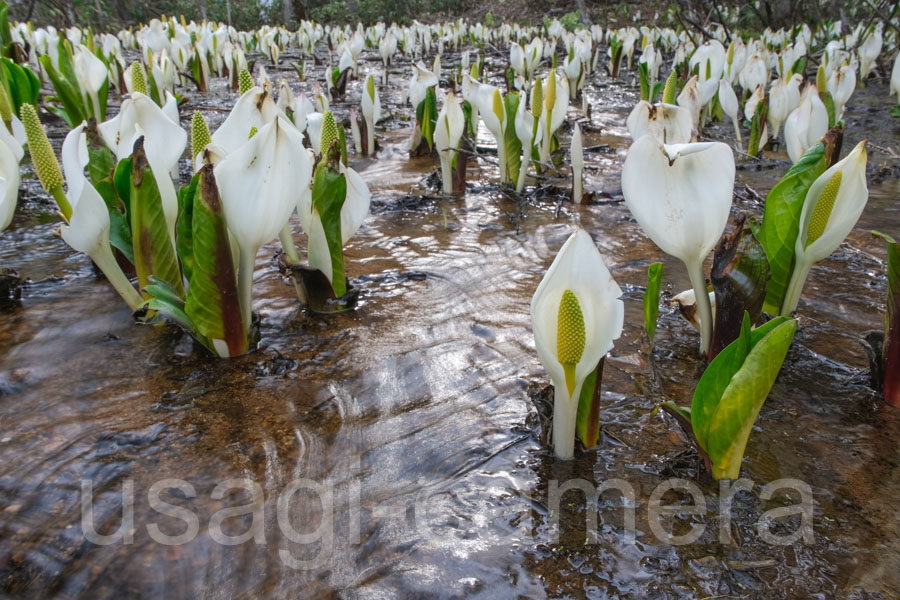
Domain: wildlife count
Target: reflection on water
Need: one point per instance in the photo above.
(410, 421)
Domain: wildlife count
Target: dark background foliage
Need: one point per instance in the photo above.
(250, 14)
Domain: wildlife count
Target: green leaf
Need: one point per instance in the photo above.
(781, 222)
(736, 412)
(184, 228)
(715, 381)
(645, 81)
(213, 301)
(101, 164)
(426, 115)
(587, 421)
(119, 224)
(895, 112)
(828, 101)
(5, 36)
(154, 252)
(22, 85)
(328, 196)
(657, 89)
(67, 93)
(651, 299)
(511, 142)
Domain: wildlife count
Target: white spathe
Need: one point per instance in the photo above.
(580, 269)
(681, 195)
(164, 143)
(447, 133)
(88, 230)
(851, 198)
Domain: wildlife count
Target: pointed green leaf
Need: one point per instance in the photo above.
(651, 299)
(732, 422)
(154, 252)
(329, 193)
(213, 301)
(69, 95)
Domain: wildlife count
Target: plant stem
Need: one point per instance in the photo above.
(287, 243)
(698, 282)
(106, 262)
(577, 185)
(795, 287)
(292, 258)
(245, 284)
(370, 137)
(446, 172)
(64, 207)
(565, 412)
(523, 170)
(95, 101)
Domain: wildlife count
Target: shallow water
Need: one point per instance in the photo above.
(413, 413)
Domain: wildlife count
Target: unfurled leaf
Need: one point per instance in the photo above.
(651, 299)
(154, 253)
(890, 358)
(733, 389)
(781, 220)
(739, 274)
(213, 303)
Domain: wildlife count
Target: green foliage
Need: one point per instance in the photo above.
(329, 194)
(587, 419)
(512, 143)
(426, 115)
(212, 300)
(21, 84)
(781, 222)
(733, 388)
(154, 252)
(651, 299)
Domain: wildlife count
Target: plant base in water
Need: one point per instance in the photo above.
(10, 288)
(318, 295)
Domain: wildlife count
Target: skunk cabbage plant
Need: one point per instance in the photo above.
(333, 210)
(832, 207)
(576, 314)
(448, 131)
(681, 196)
(731, 392)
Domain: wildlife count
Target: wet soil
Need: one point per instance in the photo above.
(412, 416)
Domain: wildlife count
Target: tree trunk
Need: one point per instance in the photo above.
(287, 14)
(351, 6)
(201, 6)
(70, 13)
(585, 17)
(300, 9)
